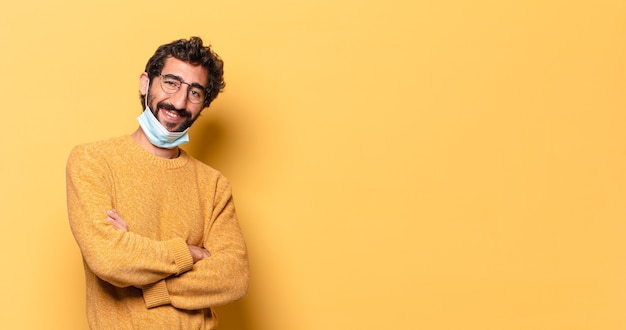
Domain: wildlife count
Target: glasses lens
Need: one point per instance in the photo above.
(196, 94)
(169, 85)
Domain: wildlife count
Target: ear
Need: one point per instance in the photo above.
(143, 83)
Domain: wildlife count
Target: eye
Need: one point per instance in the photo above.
(196, 92)
(171, 83)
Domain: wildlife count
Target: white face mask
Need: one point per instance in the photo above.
(155, 132)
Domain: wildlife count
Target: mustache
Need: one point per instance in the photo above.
(170, 107)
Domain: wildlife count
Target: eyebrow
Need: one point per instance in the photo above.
(173, 76)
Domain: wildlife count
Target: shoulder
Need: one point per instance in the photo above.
(95, 151)
(100, 146)
(209, 174)
(201, 166)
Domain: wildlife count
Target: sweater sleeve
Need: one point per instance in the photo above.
(120, 258)
(217, 280)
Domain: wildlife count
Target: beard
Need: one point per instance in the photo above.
(173, 127)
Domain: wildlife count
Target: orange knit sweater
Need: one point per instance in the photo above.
(145, 278)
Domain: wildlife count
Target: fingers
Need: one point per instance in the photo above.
(205, 253)
(116, 220)
(114, 215)
(198, 253)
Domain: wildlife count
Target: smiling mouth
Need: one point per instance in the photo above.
(173, 115)
(174, 120)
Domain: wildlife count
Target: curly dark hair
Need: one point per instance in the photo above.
(194, 52)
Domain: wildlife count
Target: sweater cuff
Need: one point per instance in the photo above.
(156, 294)
(182, 256)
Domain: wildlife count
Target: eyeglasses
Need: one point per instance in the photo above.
(171, 84)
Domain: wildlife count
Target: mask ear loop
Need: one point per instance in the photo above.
(146, 98)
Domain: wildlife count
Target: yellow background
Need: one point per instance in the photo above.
(396, 164)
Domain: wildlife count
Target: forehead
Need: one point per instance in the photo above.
(187, 72)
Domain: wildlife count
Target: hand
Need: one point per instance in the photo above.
(198, 253)
(117, 221)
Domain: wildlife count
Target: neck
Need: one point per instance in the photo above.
(140, 137)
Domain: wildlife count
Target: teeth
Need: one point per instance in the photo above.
(171, 114)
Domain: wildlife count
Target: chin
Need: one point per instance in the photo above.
(171, 127)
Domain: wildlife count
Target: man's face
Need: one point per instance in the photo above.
(174, 111)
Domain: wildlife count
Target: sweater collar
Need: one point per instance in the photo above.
(145, 156)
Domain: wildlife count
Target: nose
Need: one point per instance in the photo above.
(179, 99)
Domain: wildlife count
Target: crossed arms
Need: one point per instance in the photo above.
(197, 252)
(170, 271)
